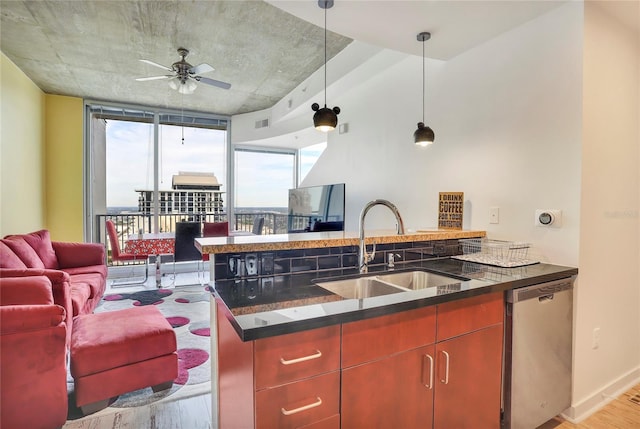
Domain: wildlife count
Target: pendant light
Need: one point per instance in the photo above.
(424, 135)
(325, 119)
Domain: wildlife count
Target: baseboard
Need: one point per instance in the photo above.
(600, 398)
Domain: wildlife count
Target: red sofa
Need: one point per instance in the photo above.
(77, 271)
(33, 350)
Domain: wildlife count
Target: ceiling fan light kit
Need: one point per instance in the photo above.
(325, 119)
(183, 76)
(423, 136)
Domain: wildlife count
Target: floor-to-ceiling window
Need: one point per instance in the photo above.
(262, 179)
(148, 168)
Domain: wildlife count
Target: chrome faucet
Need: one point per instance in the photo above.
(363, 257)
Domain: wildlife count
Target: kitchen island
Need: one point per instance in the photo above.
(294, 354)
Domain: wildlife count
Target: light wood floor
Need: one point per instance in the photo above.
(621, 413)
(195, 413)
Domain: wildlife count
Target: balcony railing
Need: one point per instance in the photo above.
(132, 223)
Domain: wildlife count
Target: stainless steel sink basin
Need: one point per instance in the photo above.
(415, 280)
(361, 287)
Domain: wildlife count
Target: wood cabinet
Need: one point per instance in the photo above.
(394, 392)
(297, 404)
(468, 380)
(469, 363)
(437, 366)
(285, 382)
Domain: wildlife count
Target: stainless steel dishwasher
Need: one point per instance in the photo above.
(538, 353)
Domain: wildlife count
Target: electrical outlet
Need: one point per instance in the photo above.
(494, 215)
(595, 340)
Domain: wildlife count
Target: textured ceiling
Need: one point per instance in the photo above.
(91, 49)
(264, 49)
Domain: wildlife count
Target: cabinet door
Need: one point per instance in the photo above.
(286, 358)
(394, 392)
(298, 404)
(468, 381)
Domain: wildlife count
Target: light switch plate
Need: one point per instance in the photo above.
(494, 215)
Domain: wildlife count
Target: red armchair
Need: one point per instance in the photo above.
(33, 388)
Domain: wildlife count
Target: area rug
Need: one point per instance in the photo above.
(187, 310)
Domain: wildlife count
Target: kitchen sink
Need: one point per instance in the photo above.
(385, 284)
(414, 280)
(361, 287)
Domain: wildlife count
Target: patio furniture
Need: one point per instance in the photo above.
(121, 351)
(212, 229)
(258, 223)
(119, 256)
(185, 249)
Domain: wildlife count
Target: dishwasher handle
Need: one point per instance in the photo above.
(542, 292)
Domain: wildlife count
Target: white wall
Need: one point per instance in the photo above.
(507, 118)
(544, 116)
(518, 128)
(609, 287)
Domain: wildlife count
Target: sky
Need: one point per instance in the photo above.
(262, 179)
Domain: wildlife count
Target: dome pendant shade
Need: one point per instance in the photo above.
(325, 119)
(424, 135)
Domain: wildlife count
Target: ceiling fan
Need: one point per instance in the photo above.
(184, 76)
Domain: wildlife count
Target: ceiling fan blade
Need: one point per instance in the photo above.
(142, 79)
(201, 68)
(213, 82)
(157, 65)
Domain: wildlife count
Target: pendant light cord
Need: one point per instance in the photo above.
(325, 55)
(423, 82)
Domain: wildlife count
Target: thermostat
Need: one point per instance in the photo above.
(549, 217)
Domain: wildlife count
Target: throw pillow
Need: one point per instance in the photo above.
(24, 251)
(41, 243)
(8, 258)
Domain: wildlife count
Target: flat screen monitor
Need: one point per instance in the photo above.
(316, 208)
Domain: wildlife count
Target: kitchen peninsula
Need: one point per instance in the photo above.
(292, 353)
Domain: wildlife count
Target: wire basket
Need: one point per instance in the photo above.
(495, 252)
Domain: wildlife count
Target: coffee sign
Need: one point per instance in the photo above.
(450, 207)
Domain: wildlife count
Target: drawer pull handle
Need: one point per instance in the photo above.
(316, 355)
(303, 408)
(446, 371)
(428, 385)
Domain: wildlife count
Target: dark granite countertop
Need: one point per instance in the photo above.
(261, 309)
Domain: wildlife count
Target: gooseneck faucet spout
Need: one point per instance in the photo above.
(363, 257)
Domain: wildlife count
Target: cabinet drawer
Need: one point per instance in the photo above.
(371, 339)
(300, 403)
(468, 315)
(286, 358)
(332, 422)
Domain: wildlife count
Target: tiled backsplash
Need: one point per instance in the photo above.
(324, 261)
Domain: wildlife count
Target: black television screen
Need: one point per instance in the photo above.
(316, 208)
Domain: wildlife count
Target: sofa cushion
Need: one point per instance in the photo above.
(95, 282)
(41, 243)
(24, 251)
(8, 258)
(89, 269)
(80, 294)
